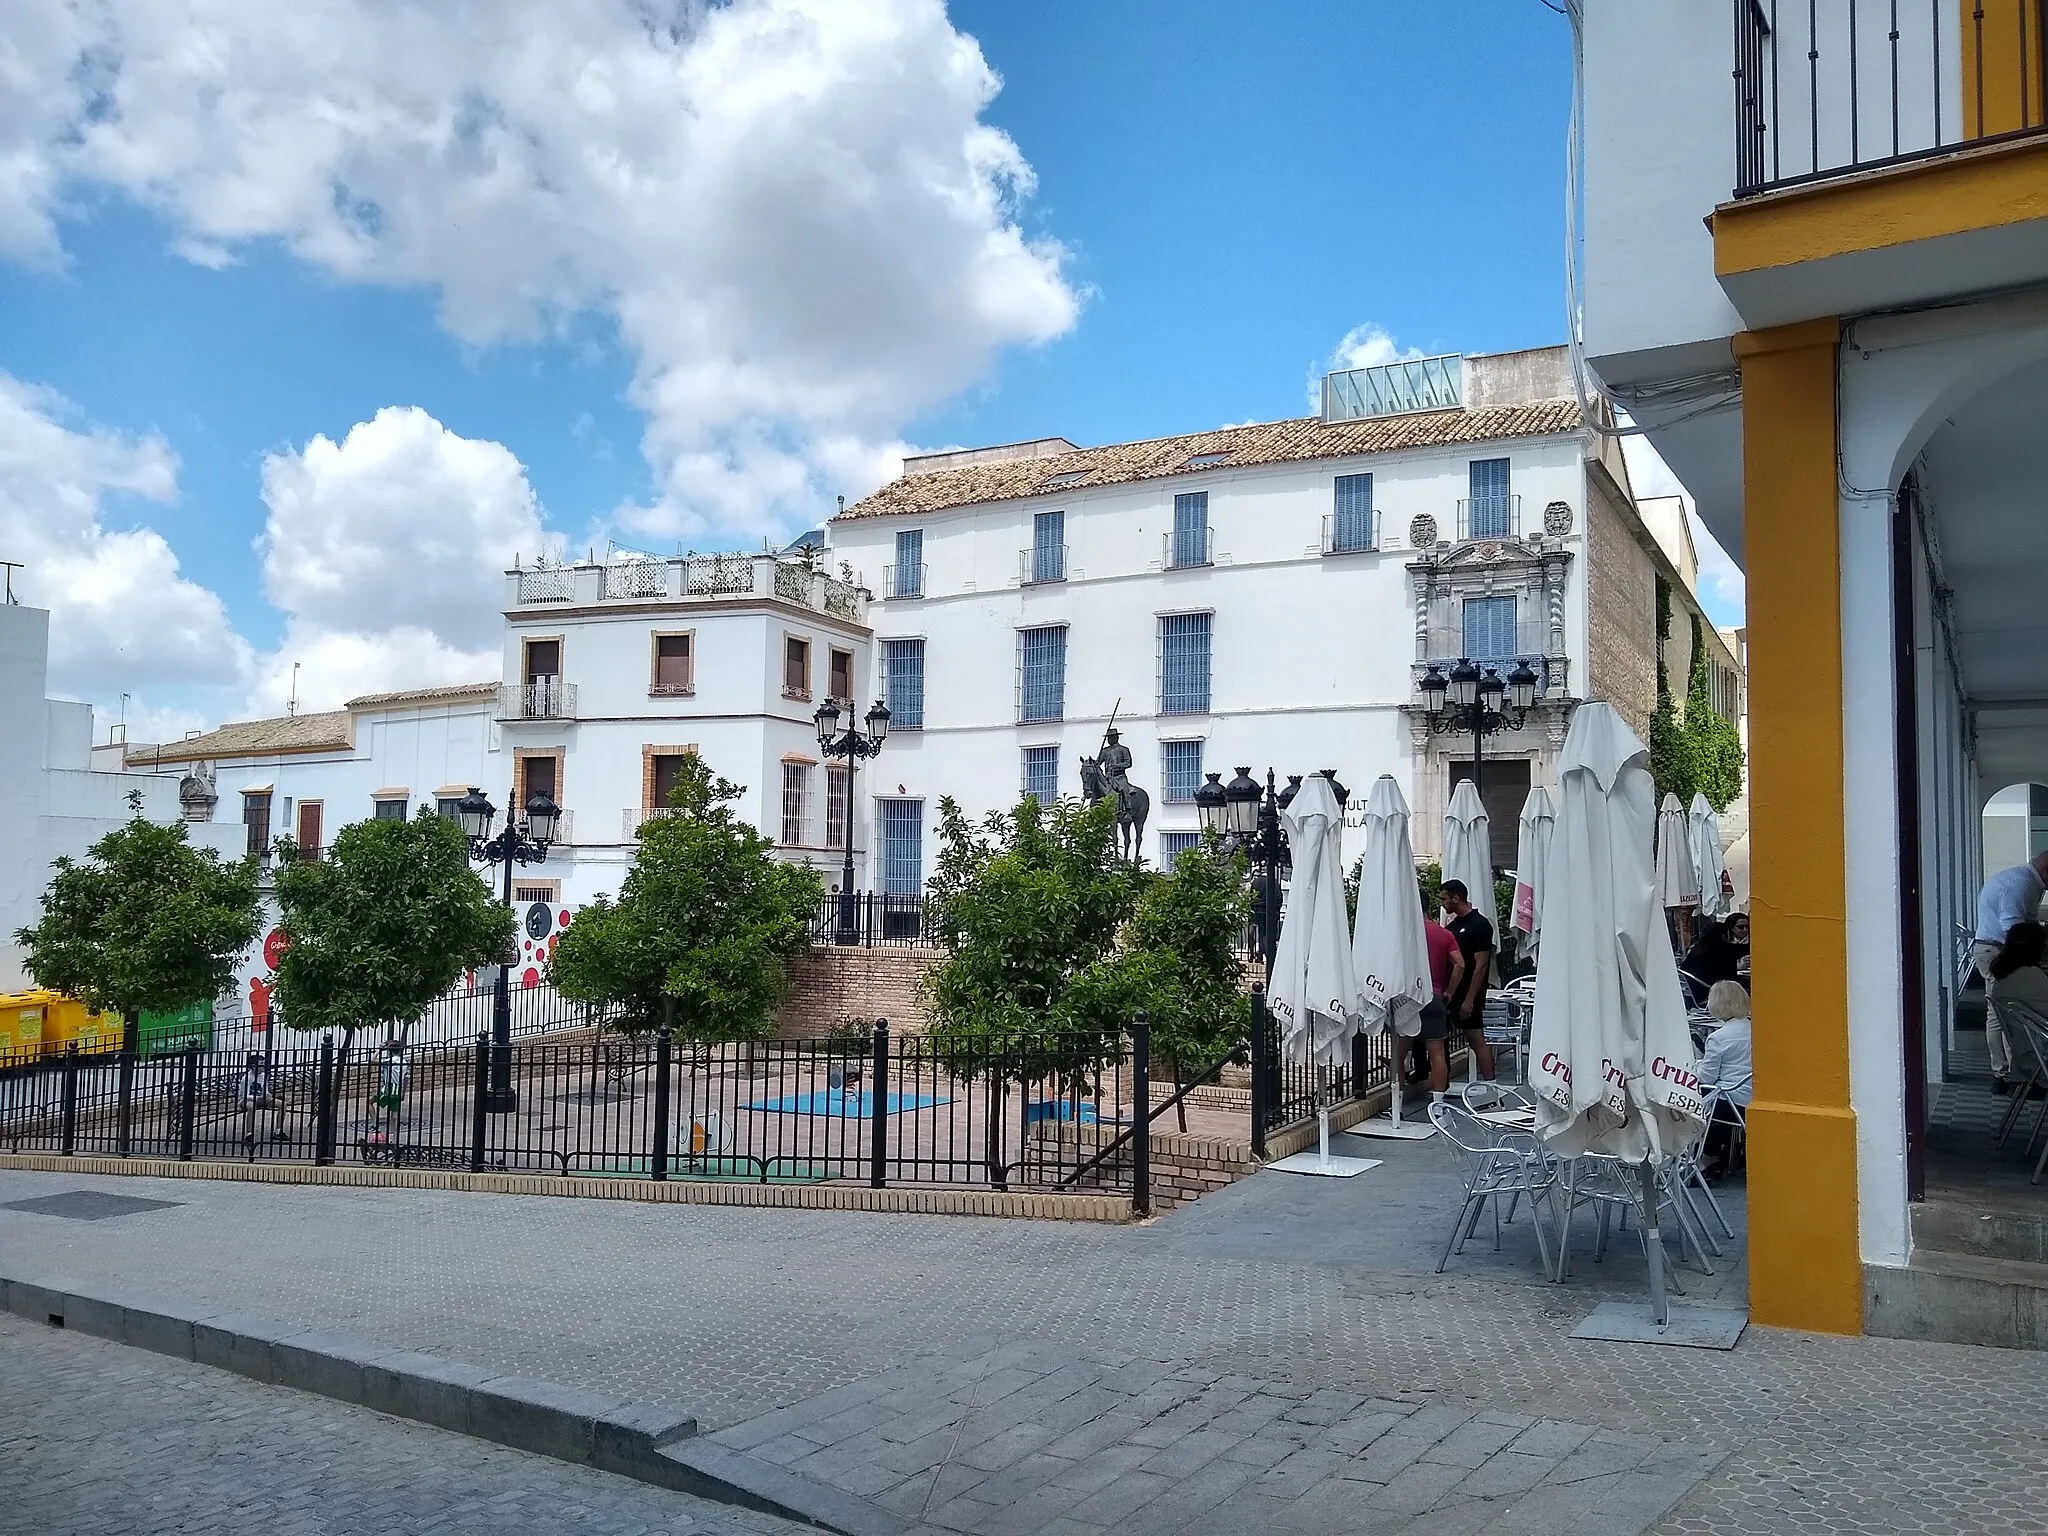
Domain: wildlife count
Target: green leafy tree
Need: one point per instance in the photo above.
(707, 917)
(144, 921)
(1671, 766)
(1713, 746)
(1178, 960)
(1024, 902)
(383, 925)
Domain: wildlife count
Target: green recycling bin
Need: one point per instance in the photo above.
(177, 1029)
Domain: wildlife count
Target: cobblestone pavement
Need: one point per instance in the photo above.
(101, 1440)
(1294, 1285)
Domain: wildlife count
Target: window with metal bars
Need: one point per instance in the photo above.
(902, 823)
(1491, 508)
(1042, 673)
(1490, 627)
(1184, 662)
(903, 683)
(796, 802)
(1049, 546)
(1041, 774)
(1180, 771)
(256, 817)
(1191, 529)
(837, 786)
(1173, 844)
(1351, 518)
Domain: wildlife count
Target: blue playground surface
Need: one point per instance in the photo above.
(1061, 1109)
(850, 1106)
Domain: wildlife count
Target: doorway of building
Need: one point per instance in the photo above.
(1503, 786)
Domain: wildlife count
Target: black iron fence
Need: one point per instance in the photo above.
(1041, 1113)
(1286, 1091)
(1828, 87)
(874, 919)
(454, 1019)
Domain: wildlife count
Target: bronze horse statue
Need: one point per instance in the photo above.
(1133, 805)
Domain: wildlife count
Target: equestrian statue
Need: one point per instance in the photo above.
(1108, 773)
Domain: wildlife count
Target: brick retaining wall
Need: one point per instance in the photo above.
(829, 985)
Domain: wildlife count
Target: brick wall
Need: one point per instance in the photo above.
(829, 985)
(1621, 580)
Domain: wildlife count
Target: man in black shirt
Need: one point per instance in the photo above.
(1475, 942)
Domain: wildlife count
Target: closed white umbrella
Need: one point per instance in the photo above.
(1532, 852)
(1313, 995)
(1703, 830)
(1388, 950)
(1678, 879)
(1468, 849)
(1613, 1063)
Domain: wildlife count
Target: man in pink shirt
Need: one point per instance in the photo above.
(1446, 970)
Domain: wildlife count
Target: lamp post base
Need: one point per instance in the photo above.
(501, 1101)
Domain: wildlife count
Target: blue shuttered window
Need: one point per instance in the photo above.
(1042, 673)
(1184, 663)
(1351, 519)
(1190, 529)
(1180, 770)
(1049, 546)
(902, 847)
(1173, 844)
(1491, 507)
(906, 576)
(1490, 628)
(1042, 774)
(903, 683)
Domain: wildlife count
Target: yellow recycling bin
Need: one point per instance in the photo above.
(70, 1022)
(24, 1026)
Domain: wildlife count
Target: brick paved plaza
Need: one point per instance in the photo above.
(1278, 1356)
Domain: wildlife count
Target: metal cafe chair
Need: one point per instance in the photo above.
(1494, 1163)
(1611, 1185)
(2024, 1024)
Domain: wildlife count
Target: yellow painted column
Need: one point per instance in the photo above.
(1805, 1265)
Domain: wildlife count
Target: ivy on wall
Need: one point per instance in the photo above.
(1699, 752)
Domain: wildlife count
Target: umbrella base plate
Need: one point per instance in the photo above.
(1392, 1130)
(1629, 1322)
(1332, 1167)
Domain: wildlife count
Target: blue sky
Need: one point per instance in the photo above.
(1216, 195)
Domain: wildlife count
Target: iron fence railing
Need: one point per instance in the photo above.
(547, 584)
(1827, 88)
(1187, 547)
(717, 575)
(1286, 1091)
(874, 919)
(905, 580)
(1489, 517)
(1347, 533)
(543, 699)
(637, 578)
(1041, 563)
(1040, 1112)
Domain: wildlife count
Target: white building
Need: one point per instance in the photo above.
(1265, 595)
(57, 803)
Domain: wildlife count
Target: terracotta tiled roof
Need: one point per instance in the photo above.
(1271, 442)
(424, 695)
(330, 731)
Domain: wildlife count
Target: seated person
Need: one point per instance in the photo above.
(2017, 976)
(1717, 954)
(1725, 1069)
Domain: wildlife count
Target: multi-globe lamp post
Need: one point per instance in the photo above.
(852, 745)
(1474, 701)
(523, 841)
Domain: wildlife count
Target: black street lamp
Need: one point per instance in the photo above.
(521, 842)
(1476, 703)
(852, 744)
(1247, 818)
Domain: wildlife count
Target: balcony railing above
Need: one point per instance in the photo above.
(1489, 517)
(1041, 563)
(1831, 88)
(904, 580)
(630, 576)
(547, 584)
(543, 699)
(1186, 547)
(630, 821)
(1531, 638)
(1350, 533)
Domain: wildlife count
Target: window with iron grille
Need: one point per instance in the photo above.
(1191, 528)
(796, 801)
(540, 890)
(1490, 627)
(1042, 673)
(1041, 774)
(1173, 844)
(836, 804)
(903, 683)
(1180, 771)
(1184, 663)
(902, 824)
(1049, 546)
(256, 817)
(1490, 505)
(907, 579)
(1351, 518)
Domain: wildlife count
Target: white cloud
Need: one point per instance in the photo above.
(1363, 346)
(1723, 588)
(791, 209)
(122, 614)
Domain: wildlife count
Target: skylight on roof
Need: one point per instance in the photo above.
(1065, 477)
(1204, 460)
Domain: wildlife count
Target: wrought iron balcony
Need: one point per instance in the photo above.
(1350, 533)
(543, 699)
(900, 581)
(1041, 563)
(1186, 547)
(1489, 517)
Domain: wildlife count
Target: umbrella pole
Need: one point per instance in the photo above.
(1400, 1068)
(1653, 1244)
(1322, 1132)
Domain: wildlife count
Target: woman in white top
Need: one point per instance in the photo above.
(2017, 977)
(1725, 1069)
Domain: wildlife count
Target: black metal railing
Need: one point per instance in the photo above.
(874, 919)
(1829, 87)
(1287, 1092)
(1043, 1112)
(457, 1017)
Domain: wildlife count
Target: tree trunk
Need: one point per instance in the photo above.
(1180, 1107)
